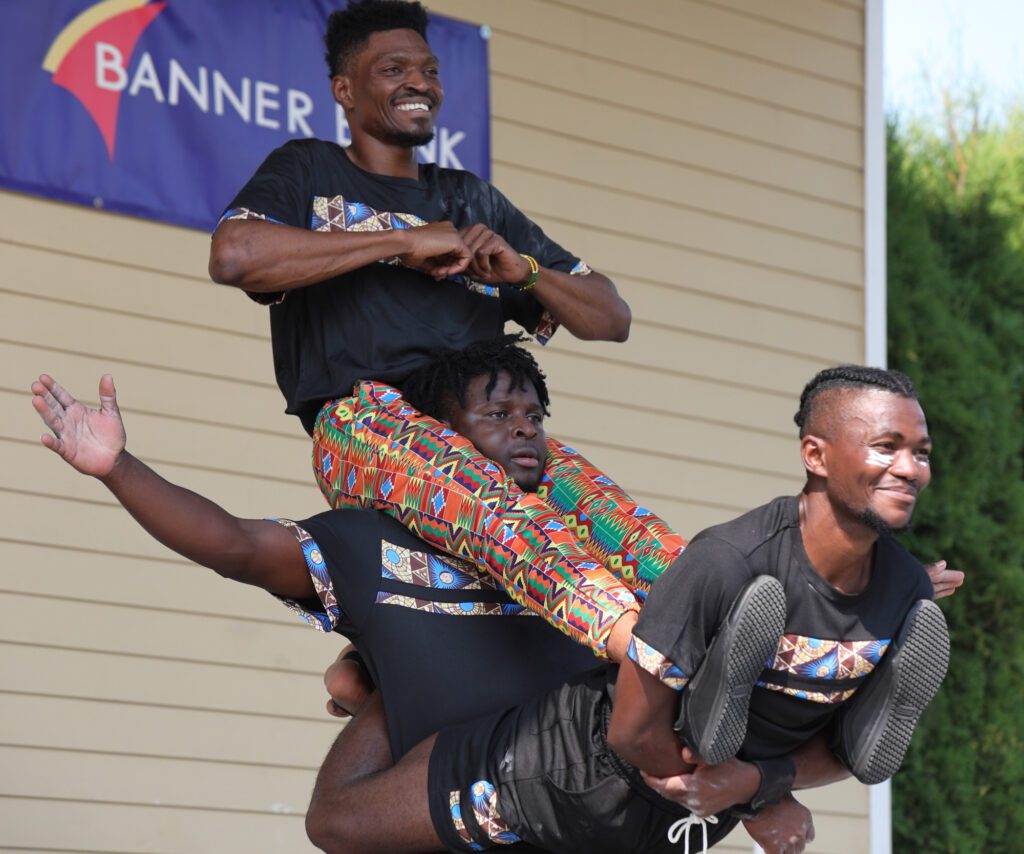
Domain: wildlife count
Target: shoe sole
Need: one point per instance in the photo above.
(919, 666)
(750, 636)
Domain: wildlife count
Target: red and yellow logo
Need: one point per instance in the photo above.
(89, 55)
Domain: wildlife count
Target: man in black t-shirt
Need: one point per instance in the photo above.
(861, 652)
(366, 575)
(441, 641)
(370, 261)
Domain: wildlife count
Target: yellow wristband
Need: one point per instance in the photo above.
(534, 273)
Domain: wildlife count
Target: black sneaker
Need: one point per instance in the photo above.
(713, 714)
(876, 724)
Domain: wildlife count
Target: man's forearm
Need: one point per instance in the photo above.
(262, 257)
(709, 789)
(587, 306)
(185, 522)
(816, 765)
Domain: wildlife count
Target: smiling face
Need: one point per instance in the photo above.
(391, 90)
(875, 458)
(507, 427)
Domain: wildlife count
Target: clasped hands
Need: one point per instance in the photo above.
(440, 250)
(781, 828)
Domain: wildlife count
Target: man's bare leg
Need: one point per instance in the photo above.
(361, 804)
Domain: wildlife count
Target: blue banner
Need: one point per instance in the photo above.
(164, 108)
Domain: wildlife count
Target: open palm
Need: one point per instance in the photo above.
(90, 440)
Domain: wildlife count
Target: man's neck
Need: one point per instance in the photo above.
(382, 158)
(840, 550)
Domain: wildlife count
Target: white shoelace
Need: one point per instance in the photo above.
(684, 825)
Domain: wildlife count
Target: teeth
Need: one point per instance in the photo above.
(410, 107)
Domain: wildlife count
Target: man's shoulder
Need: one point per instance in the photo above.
(453, 176)
(311, 151)
(747, 533)
(899, 566)
(460, 183)
(349, 527)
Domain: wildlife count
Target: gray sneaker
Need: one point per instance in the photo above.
(877, 723)
(713, 713)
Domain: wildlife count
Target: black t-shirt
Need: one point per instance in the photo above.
(443, 643)
(381, 321)
(832, 640)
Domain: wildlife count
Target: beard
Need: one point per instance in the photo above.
(408, 139)
(877, 524)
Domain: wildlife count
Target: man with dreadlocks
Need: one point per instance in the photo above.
(439, 638)
(857, 651)
(369, 261)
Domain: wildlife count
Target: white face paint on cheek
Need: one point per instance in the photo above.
(877, 458)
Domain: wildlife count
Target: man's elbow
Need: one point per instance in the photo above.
(227, 257)
(620, 326)
(614, 327)
(332, 828)
(320, 831)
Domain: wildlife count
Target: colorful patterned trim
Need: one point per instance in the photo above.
(831, 697)
(245, 213)
(338, 214)
(484, 798)
(454, 609)
(648, 658)
(438, 572)
(434, 571)
(455, 806)
(827, 659)
(328, 619)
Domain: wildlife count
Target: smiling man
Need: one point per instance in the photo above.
(369, 261)
(605, 763)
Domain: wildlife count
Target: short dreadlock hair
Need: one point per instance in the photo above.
(440, 386)
(849, 377)
(348, 29)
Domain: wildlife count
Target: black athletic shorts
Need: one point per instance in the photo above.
(543, 773)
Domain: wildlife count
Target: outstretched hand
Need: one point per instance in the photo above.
(89, 440)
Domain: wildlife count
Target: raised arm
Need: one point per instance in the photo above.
(265, 257)
(92, 441)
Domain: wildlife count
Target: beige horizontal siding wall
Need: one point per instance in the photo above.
(707, 155)
(145, 703)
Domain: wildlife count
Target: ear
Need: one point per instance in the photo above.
(814, 454)
(341, 89)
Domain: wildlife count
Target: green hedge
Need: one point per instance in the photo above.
(956, 326)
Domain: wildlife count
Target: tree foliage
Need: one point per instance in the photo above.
(956, 326)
